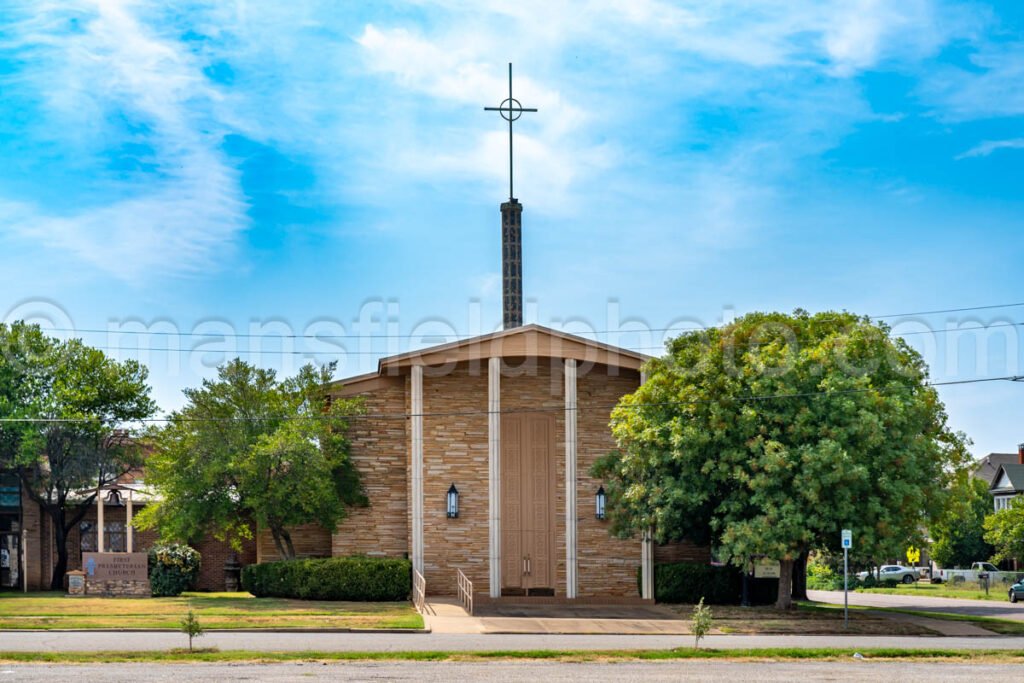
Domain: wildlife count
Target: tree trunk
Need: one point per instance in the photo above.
(800, 576)
(62, 526)
(785, 597)
(275, 533)
(288, 544)
(60, 538)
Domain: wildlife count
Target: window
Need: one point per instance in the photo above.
(115, 538)
(1002, 502)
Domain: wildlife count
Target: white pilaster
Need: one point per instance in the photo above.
(646, 550)
(416, 404)
(647, 565)
(494, 473)
(571, 518)
(128, 530)
(99, 521)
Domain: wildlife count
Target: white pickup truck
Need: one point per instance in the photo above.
(972, 575)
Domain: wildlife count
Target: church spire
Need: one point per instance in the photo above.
(511, 225)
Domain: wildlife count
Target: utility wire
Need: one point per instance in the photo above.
(344, 352)
(510, 411)
(323, 337)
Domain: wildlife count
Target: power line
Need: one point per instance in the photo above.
(510, 411)
(359, 352)
(324, 337)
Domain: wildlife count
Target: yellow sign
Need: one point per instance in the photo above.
(913, 555)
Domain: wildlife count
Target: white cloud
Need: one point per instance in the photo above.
(989, 146)
(991, 89)
(183, 212)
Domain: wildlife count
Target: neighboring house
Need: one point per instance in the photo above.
(1008, 482)
(988, 466)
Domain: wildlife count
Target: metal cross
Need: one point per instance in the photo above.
(510, 110)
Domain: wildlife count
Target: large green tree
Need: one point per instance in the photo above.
(250, 448)
(958, 536)
(769, 435)
(64, 406)
(1005, 531)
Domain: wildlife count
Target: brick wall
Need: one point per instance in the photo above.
(215, 553)
(681, 551)
(309, 540)
(605, 565)
(36, 543)
(380, 452)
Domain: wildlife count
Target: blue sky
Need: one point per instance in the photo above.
(296, 168)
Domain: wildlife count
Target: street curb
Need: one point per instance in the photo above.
(411, 631)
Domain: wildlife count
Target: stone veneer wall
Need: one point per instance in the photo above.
(454, 451)
(380, 451)
(606, 565)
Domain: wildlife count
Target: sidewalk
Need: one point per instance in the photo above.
(79, 641)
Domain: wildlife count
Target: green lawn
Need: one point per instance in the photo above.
(766, 654)
(943, 590)
(806, 619)
(214, 611)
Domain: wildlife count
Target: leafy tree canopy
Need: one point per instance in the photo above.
(64, 404)
(249, 448)
(771, 434)
(958, 536)
(1005, 531)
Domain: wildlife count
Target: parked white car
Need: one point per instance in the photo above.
(893, 573)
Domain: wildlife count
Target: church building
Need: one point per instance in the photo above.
(476, 458)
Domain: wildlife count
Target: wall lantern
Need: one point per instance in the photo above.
(599, 501)
(453, 502)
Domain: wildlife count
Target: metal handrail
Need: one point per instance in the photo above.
(419, 591)
(465, 591)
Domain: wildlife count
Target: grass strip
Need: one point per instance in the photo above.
(760, 654)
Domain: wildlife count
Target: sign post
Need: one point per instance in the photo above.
(847, 544)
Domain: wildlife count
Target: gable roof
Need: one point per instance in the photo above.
(527, 341)
(1009, 479)
(987, 467)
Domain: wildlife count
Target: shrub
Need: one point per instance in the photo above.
(336, 578)
(172, 569)
(688, 582)
(822, 577)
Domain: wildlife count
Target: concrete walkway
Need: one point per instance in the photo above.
(921, 603)
(79, 641)
(943, 627)
(446, 615)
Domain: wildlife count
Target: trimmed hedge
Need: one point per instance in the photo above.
(688, 582)
(366, 579)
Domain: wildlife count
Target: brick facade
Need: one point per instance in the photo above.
(214, 554)
(309, 540)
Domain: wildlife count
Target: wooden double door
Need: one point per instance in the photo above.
(528, 504)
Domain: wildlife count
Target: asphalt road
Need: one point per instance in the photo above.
(978, 608)
(428, 672)
(122, 641)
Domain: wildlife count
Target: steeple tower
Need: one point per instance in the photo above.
(511, 226)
